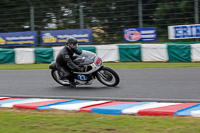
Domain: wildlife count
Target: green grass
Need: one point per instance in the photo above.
(23, 66)
(119, 65)
(20, 121)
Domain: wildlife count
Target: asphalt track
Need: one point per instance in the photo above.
(150, 84)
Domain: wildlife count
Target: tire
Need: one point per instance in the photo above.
(56, 76)
(108, 77)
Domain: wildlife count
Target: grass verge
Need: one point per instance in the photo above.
(118, 65)
(53, 121)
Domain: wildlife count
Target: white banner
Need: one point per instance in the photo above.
(108, 53)
(24, 56)
(154, 52)
(195, 52)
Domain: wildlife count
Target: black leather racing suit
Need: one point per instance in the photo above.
(64, 61)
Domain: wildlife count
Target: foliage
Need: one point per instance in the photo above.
(168, 10)
(108, 18)
(178, 12)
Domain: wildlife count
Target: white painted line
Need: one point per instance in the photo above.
(3, 97)
(76, 106)
(195, 113)
(136, 109)
(25, 101)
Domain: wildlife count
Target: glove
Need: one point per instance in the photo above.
(82, 69)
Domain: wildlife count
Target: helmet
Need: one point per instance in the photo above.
(72, 42)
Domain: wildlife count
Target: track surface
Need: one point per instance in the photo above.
(160, 84)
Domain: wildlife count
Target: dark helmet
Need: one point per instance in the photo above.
(72, 42)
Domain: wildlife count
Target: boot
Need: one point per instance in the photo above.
(72, 83)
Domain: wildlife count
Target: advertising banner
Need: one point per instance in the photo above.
(184, 31)
(26, 38)
(58, 37)
(140, 34)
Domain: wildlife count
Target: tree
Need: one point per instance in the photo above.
(111, 17)
(178, 12)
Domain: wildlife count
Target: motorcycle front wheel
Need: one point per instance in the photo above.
(108, 77)
(57, 77)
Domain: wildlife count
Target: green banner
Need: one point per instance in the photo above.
(179, 52)
(43, 55)
(92, 49)
(130, 53)
(7, 56)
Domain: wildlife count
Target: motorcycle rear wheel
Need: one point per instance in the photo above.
(57, 77)
(108, 77)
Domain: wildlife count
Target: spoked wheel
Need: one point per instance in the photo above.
(108, 77)
(57, 77)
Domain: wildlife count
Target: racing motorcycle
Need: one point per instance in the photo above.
(94, 70)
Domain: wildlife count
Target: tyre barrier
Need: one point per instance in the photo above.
(105, 107)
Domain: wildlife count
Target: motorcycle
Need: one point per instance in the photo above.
(94, 69)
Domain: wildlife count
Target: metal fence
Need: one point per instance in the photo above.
(106, 18)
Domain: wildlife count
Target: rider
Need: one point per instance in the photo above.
(64, 60)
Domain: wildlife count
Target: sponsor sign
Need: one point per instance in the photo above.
(184, 31)
(140, 34)
(18, 38)
(59, 37)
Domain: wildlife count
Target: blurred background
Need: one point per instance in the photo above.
(106, 18)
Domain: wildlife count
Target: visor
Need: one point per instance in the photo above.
(73, 45)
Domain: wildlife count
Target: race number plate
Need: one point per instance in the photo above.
(82, 77)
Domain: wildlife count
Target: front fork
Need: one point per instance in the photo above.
(101, 75)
